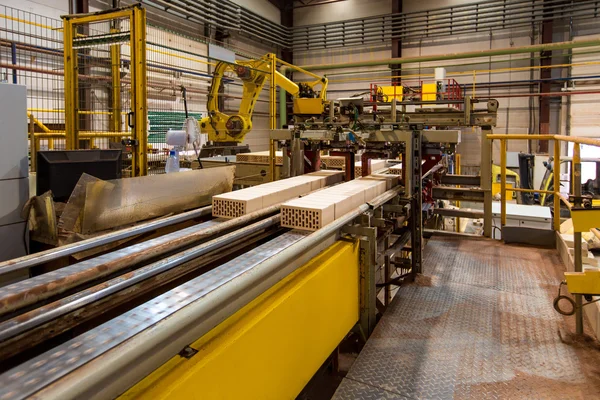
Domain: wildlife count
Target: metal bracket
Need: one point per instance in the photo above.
(397, 208)
(188, 352)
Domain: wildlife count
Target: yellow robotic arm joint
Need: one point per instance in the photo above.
(221, 127)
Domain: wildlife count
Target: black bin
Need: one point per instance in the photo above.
(60, 170)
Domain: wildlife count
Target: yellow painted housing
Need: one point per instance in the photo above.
(393, 92)
(308, 106)
(429, 91)
(587, 282)
(585, 219)
(272, 347)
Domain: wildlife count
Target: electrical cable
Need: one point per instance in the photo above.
(574, 308)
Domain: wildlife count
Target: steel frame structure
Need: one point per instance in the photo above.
(138, 114)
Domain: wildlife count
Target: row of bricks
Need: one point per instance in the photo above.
(318, 209)
(246, 201)
(262, 157)
(374, 165)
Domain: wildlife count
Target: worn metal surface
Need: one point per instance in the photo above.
(39, 372)
(73, 248)
(29, 291)
(478, 324)
(45, 314)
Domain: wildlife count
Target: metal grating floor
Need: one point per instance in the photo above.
(478, 324)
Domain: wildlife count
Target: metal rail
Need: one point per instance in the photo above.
(30, 291)
(146, 341)
(10, 329)
(32, 260)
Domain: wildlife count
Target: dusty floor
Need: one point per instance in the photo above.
(478, 324)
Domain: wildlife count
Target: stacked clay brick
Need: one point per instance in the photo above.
(260, 157)
(376, 165)
(318, 209)
(246, 201)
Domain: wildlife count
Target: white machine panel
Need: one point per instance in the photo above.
(14, 193)
(12, 246)
(521, 215)
(14, 170)
(14, 162)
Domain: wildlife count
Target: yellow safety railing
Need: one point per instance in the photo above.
(557, 197)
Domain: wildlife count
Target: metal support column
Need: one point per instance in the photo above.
(13, 54)
(486, 179)
(396, 42)
(115, 63)
(556, 182)
(272, 112)
(545, 76)
(368, 298)
(297, 167)
(457, 172)
(416, 207)
(502, 183)
(577, 260)
(71, 92)
(33, 146)
(139, 85)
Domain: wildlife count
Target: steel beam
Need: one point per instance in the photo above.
(486, 179)
(463, 180)
(462, 194)
(450, 212)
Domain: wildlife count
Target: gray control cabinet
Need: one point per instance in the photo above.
(14, 170)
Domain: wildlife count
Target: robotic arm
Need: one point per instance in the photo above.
(221, 127)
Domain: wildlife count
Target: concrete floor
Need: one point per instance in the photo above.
(478, 324)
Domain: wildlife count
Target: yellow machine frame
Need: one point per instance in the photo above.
(224, 128)
(277, 341)
(139, 113)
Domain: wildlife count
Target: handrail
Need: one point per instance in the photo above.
(563, 138)
(558, 197)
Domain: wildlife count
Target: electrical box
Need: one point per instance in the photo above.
(393, 92)
(440, 74)
(429, 91)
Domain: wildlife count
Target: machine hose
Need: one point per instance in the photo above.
(574, 308)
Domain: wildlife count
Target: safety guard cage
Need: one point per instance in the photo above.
(105, 83)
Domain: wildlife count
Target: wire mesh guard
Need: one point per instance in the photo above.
(32, 54)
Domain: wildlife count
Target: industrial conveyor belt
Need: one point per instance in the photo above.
(479, 324)
(41, 371)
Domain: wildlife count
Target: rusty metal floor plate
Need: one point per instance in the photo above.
(478, 324)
